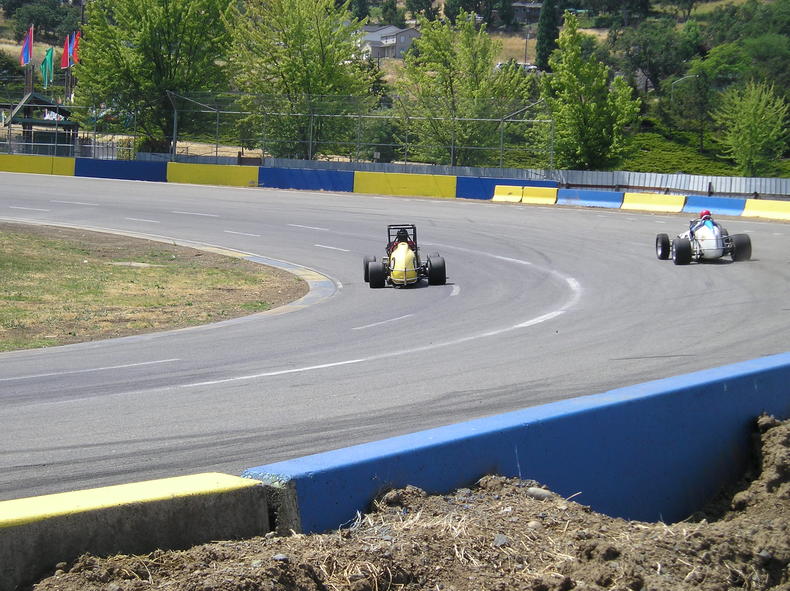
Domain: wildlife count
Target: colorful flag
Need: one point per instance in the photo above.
(65, 59)
(48, 67)
(27, 48)
(75, 46)
(70, 47)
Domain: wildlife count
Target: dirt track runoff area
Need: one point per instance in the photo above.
(501, 535)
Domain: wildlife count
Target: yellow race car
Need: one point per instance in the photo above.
(403, 266)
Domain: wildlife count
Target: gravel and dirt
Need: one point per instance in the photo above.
(503, 534)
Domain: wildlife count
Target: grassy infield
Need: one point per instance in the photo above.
(60, 286)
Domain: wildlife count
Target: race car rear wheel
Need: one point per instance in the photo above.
(741, 247)
(365, 260)
(662, 246)
(681, 251)
(377, 274)
(437, 274)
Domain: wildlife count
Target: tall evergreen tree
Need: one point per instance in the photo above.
(548, 31)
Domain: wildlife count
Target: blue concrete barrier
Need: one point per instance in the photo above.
(305, 179)
(131, 170)
(717, 205)
(654, 451)
(468, 187)
(586, 198)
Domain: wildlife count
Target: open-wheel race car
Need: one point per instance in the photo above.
(707, 241)
(403, 264)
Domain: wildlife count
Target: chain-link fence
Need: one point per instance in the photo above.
(359, 129)
(226, 128)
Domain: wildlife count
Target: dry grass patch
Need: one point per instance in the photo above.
(62, 286)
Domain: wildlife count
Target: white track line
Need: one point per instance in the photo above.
(90, 370)
(143, 220)
(27, 208)
(382, 322)
(331, 247)
(204, 215)
(73, 202)
(242, 234)
(309, 227)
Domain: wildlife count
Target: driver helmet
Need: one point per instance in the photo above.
(704, 214)
(402, 236)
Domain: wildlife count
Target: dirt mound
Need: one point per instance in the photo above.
(504, 534)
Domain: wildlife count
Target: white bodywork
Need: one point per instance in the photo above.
(708, 240)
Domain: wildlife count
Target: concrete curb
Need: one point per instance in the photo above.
(37, 533)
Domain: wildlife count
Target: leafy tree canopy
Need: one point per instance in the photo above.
(52, 20)
(300, 57)
(450, 80)
(753, 123)
(656, 48)
(134, 51)
(590, 113)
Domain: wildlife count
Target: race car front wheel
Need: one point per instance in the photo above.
(741, 247)
(437, 275)
(681, 251)
(377, 274)
(662, 246)
(365, 260)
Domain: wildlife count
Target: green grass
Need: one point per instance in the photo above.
(61, 286)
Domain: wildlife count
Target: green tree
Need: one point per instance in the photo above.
(753, 127)
(392, 15)
(656, 49)
(52, 20)
(421, 7)
(548, 31)
(505, 12)
(451, 80)
(133, 52)
(359, 8)
(590, 114)
(688, 103)
(299, 62)
(11, 6)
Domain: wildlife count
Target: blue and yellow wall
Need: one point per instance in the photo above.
(532, 192)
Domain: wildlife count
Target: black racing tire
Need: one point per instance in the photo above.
(681, 251)
(663, 247)
(741, 247)
(365, 260)
(437, 274)
(377, 274)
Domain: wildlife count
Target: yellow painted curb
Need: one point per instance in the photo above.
(539, 196)
(28, 510)
(653, 202)
(767, 208)
(508, 193)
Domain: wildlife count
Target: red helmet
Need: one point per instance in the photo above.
(704, 214)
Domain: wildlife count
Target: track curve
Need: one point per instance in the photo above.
(541, 304)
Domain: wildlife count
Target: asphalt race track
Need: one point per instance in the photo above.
(542, 303)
